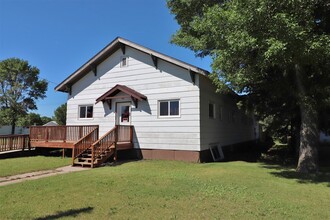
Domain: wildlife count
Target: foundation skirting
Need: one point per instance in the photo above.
(185, 155)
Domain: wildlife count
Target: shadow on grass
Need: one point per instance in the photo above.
(323, 176)
(68, 213)
(283, 163)
(119, 162)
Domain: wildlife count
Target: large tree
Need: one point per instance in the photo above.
(20, 87)
(60, 114)
(276, 52)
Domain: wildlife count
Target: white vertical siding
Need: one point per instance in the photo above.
(166, 82)
(224, 131)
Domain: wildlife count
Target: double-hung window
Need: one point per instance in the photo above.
(86, 111)
(169, 108)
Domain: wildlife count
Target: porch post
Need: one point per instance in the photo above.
(116, 140)
(65, 130)
(73, 155)
(10, 143)
(131, 134)
(47, 131)
(23, 142)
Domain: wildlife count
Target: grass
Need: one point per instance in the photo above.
(13, 166)
(171, 190)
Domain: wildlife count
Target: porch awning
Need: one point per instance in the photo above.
(130, 93)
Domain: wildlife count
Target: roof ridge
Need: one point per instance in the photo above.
(112, 47)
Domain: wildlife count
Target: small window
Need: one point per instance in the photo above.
(124, 62)
(169, 108)
(220, 113)
(86, 111)
(211, 110)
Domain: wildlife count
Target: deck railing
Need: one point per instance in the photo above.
(14, 142)
(120, 133)
(84, 143)
(104, 143)
(65, 133)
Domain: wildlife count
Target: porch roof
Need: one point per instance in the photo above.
(111, 94)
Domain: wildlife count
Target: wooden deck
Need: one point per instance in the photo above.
(87, 147)
(67, 136)
(58, 136)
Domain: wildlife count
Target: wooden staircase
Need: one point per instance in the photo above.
(91, 151)
(86, 158)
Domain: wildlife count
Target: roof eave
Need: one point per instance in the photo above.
(86, 67)
(114, 46)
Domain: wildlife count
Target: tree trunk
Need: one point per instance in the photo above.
(309, 133)
(13, 126)
(309, 137)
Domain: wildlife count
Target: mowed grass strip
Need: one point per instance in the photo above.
(168, 190)
(14, 166)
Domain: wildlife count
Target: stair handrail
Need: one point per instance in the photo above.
(84, 143)
(102, 144)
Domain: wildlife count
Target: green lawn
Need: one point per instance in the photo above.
(20, 165)
(171, 190)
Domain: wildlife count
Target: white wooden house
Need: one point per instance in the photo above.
(171, 105)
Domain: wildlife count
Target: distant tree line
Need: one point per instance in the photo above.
(20, 88)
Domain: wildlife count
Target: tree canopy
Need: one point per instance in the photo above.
(60, 114)
(20, 87)
(275, 52)
(32, 119)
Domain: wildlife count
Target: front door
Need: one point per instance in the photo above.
(123, 113)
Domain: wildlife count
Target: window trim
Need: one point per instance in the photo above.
(214, 110)
(85, 105)
(169, 108)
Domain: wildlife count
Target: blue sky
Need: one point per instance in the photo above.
(58, 36)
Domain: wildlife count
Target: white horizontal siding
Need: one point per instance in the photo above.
(164, 83)
(225, 131)
(168, 130)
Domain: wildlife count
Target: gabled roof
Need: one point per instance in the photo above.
(120, 88)
(51, 123)
(116, 44)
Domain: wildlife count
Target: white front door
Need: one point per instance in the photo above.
(123, 113)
